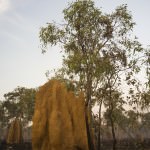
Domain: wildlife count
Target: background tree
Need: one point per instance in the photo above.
(145, 120)
(145, 125)
(18, 104)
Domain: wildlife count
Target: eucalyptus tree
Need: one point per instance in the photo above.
(18, 103)
(139, 91)
(96, 45)
(147, 63)
(146, 120)
(144, 95)
(1, 114)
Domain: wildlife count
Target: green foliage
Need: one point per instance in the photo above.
(118, 116)
(18, 103)
(145, 121)
(95, 44)
(145, 101)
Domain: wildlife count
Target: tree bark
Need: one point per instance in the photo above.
(99, 128)
(88, 112)
(111, 106)
(90, 141)
(113, 133)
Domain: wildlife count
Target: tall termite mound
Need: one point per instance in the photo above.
(15, 132)
(59, 119)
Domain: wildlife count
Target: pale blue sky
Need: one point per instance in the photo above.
(21, 61)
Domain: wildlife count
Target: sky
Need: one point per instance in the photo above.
(21, 61)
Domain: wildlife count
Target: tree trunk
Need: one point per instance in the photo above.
(88, 116)
(90, 141)
(113, 133)
(99, 129)
(111, 106)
